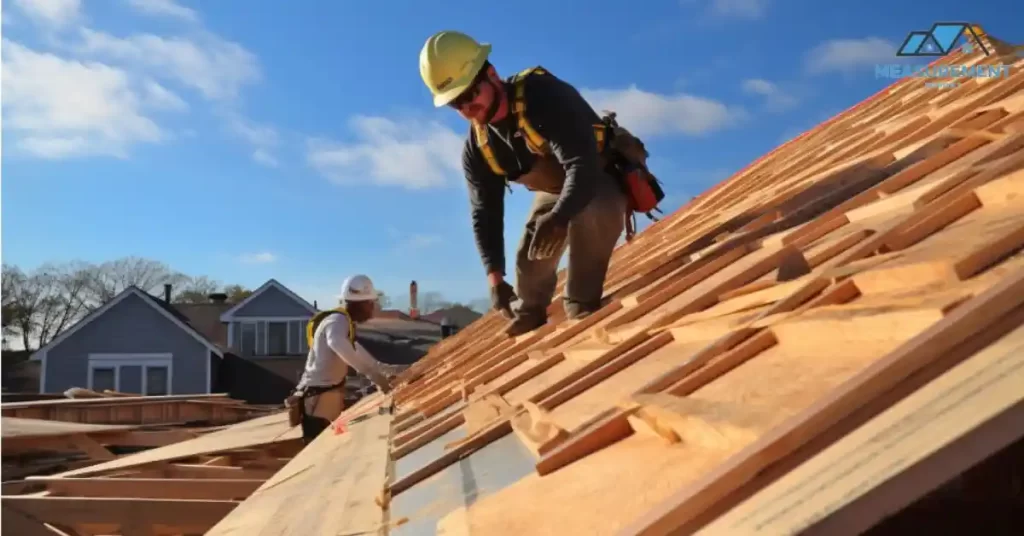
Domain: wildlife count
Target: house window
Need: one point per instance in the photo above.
(158, 380)
(277, 338)
(295, 333)
(248, 348)
(146, 374)
(103, 379)
(303, 346)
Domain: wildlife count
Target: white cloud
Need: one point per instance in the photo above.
(743, 9)
(776, 100)
(253, 133)
(262, 156)
(63, 108)
(263, 257)
(164, 8)
(262, 138)
(162, 98)
(126, 76)
(51, 13)
(848, 55)
(759, 86)
(409, 153)
(217, 68)
(650, 114)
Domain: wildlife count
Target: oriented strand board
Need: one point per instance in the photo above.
(912, 433)
(308, 497)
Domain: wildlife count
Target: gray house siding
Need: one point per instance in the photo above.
(129, 327)
(272, 302)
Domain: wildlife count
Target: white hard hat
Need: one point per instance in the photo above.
(358, 288)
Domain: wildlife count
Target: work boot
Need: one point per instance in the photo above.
(525, 322)
(578, 311)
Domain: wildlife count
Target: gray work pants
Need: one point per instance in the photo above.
(593, 233)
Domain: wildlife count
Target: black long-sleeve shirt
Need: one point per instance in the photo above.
(558, 112)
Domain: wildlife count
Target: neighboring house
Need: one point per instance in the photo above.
(452, 319)
(270, 322)
(265, 335)
(255, 350)
(134, 343)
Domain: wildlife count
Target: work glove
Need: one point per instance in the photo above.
(548, 238)
(502, 296)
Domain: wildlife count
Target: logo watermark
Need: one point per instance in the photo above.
(942, 39)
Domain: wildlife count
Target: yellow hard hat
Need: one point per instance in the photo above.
(449, 62)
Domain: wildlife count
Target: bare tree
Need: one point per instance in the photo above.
(113, 277)
(383, 301)
(13, 312)
(196, 290)
(67, 296)
(39, 305)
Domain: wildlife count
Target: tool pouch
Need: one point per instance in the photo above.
(295, 413)
(296, 406)
(626, 158)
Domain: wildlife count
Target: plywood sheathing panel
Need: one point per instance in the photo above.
(256, 432)
(458, 486)
(915, 432)
(347, 496)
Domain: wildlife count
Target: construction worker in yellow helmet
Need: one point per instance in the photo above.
(535, 130)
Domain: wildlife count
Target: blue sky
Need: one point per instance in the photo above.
(295, 140)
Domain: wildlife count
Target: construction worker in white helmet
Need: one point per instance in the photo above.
(319, 396)
(576, 202)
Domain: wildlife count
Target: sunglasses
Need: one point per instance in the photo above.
(466, 97)
(471, 93)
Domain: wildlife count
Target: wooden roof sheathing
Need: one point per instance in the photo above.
(864, 278)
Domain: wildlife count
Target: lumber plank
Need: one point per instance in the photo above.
(916, 353)
(904, 452)
(256, 432)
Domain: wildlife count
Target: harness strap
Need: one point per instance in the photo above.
(483, 142)
(318, 390)
(534, 141)
(319, 317)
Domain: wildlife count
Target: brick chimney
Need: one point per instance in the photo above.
(414, 312)
(167, 293)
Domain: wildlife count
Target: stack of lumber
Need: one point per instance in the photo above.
(45, 436)
(183, 487)
(119, 408)
(35, 446)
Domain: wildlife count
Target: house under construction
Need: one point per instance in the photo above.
(829, 342)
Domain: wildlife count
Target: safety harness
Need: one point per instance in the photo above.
(534, 141)
(319, 317)
(642, 188)
(298, 411)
